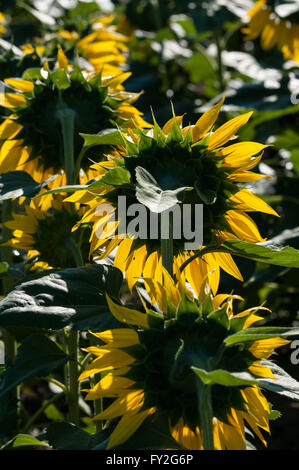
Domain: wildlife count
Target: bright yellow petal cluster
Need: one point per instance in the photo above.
(272, 30)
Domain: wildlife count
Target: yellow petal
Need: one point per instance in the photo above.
(169, 124)
(206, 121)
(135, 265)
(12, 100)
(130, 401)
(122, 254)
(127, 315)
(110, 359)
(248, 201)
(119, 337)
(243, 226)
(126, 427)
(227, 131)
(227, 263)
(62, 59)
(19, 84)
(263, 348)
(9, 129)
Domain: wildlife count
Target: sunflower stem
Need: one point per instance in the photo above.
(10, 345)
(73, 384)
(206, 414)
(98, 404)
(67, 120)
(167, 241)
(72, 246)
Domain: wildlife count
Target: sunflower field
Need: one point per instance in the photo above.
(149, 225)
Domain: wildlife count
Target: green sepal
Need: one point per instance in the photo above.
(105, 137)
(155, 319)
(220, 316)
(187, 307)
(225, 378)
(60, 79)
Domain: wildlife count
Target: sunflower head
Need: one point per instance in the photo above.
(274, 30)
(47, 234)
(188, 167)
(2, 24)
(38, 100)
(159, 364)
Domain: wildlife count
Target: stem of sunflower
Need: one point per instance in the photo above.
(73, 393)
(206, 413)
(10, 344)
(167, 241)
(67, 120)
(219, 61)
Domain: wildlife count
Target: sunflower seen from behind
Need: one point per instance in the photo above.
(157, 365)
(195, 166)
(32, 136)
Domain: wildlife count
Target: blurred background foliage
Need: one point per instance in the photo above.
(190, 53)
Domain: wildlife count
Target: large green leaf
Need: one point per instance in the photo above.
(37, 356)
(67, 436)
(263, 252)
(25, 441)
(72, 297)
(284, 384)
(253, 334)
(115, 177)
(8, 412)
(152, 196)
(15, 184)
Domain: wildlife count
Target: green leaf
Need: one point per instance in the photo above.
(253, 334)
(105, 137)
(223, 377)
(15, 184)
(61, 79)
(23, 441)
(284, 384)
(37, 356)
(152, 196)
(115, 177)
(32, 74)
(8, 413)
(261, 252)
(3, 267)
(72, 297)
(67, 436)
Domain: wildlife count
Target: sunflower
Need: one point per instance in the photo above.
(104, 47)
(2, 24)
(32, 136)
(47, 234)
(158, 364)
(273, 30)
(175, 158)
